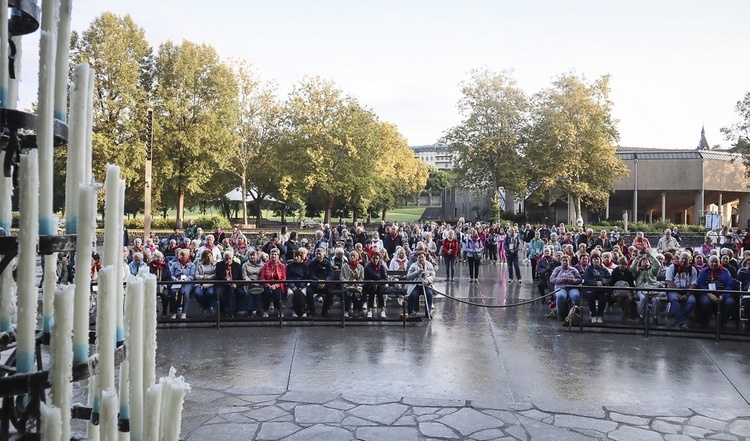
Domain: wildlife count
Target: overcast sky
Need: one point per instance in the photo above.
(675, 65)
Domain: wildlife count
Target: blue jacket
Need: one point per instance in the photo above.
(722, 278)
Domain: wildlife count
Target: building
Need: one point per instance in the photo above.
(441, 157)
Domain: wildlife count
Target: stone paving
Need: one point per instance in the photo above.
(237, 413)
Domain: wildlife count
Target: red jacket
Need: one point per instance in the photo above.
(267, 273)
(450, 247)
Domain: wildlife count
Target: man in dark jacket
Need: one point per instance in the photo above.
(319, 268)
(392, 240)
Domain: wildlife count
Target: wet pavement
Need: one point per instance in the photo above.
(471, 373)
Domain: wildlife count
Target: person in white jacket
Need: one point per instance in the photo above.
(423, 271)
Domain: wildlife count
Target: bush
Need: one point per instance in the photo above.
(160, 223)
(135, 223)
(209, 223)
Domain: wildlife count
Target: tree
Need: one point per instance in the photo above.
(195, 114)
(739, 132)
(438, 180)
(259, 155)
(116, 48)
(572, 148)
(491, 137)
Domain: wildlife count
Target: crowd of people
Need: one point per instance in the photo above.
(572, 263)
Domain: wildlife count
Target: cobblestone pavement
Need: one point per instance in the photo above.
(240, 414)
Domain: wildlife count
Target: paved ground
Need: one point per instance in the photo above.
(472, 373)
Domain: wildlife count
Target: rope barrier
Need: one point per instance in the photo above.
(508, 305)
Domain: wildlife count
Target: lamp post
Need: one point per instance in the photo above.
(147, 189)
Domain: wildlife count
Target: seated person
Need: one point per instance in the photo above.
(137, 264)
(353, 271)
(681, 276)
(251, 271)
(375, 270)
(645, 269)
(297, 270)
(421, 270)
(205, 293)
(183, 270)
(622, 276)
(159, 268)
(319, 268)
(594, 276)
(272, 271)
(230, 270)
(716, 278)
(545, 264)
(565, 275)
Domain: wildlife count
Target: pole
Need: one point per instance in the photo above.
(147, 189)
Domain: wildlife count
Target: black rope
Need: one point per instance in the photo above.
(509, 305)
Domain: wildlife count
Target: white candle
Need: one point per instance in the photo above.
(134, 343)
(61, 360)
(62, 57)
(175, 388)
(51, 423)
(7, 287)
(84, 248)
(112, 203)
(122, 269)
(13, 83)
(93, 402)
(149, 332)
(152, 413)
(76, 145)
(45, 115)
(4, 53)
(87, 175)
(105, 332)
(108, 416)
(28, 239)
(124, 395)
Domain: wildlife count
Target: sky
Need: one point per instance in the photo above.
(675, 66)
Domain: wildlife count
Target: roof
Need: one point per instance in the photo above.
(432, 148)
(644, 153)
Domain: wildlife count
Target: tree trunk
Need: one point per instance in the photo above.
(369, 217)
(283, 214)
(382, 216)
(354, 215)
(329, 206)
(180, 205)
(577, 200)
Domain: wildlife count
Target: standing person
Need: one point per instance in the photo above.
(272, 271)
(501, 256)
(512, 245)
(450, 254)
(375, 270)
(536, 246)
(423, 271)
(474, 249)
(491, 246)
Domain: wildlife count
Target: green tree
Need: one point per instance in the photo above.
(195, 119)
(572, 150)
(259, 156)
(739, 132)
(116, 48)
(490, 139)
(438, 180)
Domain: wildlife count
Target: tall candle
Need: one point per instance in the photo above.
(4, 53)
(84, 248)
(7, 287)
(108, 416)
(87, 175)
(176, 388)
(61, 362)
(124, 395)
(76, 144)
(149, 332)
(152, 413)
(28, 239)
(62, 56)
(51, 422)
(112, 230)
(121, 268)
(105, 332)
(92, 432)
(13, 82)
(134, 343)
(45, 115)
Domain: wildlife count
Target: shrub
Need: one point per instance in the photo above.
(135, 223)
(209, 223)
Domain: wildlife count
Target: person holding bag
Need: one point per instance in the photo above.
(474, 250)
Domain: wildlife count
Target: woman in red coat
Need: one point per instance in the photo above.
(450, 252)
(273, 270)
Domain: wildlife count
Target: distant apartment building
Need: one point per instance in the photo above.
(441, 157)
